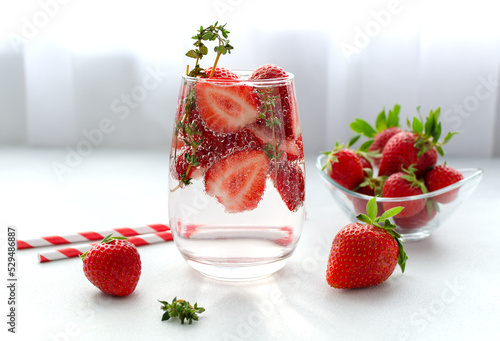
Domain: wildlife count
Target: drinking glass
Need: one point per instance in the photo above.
(237, 175)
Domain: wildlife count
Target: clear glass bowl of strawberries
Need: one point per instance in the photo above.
(401, 168)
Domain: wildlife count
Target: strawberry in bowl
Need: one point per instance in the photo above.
(408, 173)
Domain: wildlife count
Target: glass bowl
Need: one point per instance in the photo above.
(440, 204)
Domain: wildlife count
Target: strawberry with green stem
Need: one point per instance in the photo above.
(404, 184)
(419, 147)
(386, 126)
(113, 266)
(366, 253)
(365, 155)
(440, 177)
(344, 167)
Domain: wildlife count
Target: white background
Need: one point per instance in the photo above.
(67, 65)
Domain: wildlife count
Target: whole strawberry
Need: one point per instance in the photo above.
(344, 167)
(268, 71)
(113, 266)
(370, 186)
(419, 147)
(220, 72)
(400, 152)
(421, 218)
(386, 126)
(404, 184)
(286, 107)
(365, 254)
(440, 177)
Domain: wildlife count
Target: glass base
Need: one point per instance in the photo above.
(408, 235)
(238, 271)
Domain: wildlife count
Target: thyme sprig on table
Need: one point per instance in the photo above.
(181, 309)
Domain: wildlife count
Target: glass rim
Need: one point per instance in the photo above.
(244, 73)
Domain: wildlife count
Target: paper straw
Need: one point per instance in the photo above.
(77, 250)
(90, 236)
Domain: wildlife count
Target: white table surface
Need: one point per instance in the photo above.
(450, 289)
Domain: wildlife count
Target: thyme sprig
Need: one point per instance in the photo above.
(181, 309)
(189, 129)
(210, 33)
(185, 125)
(266, 112)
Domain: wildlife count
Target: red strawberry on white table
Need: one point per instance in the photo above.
(113, 266)
(238, 181)
(366, 253)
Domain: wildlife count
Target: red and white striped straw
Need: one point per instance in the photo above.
(90, 236)
(77, 250)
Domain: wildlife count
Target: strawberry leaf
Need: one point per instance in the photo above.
(402, 255)
(417, 126)
(364, 218)
(439, 149)
(390, 213)
(363, 127)
(353, 140)
(448, 136)
(393, 117)
(371, 209)
(381, 121)
(366, 146)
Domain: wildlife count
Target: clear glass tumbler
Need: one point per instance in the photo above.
(237, 175)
